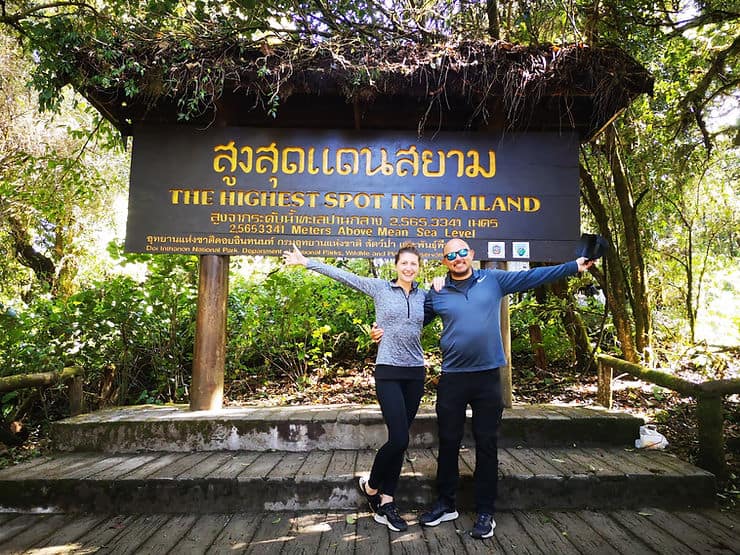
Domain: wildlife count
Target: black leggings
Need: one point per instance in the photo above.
(399, 400)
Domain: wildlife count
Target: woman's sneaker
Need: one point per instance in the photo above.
(483, 527)
(388, 514)
(440, 512)
(372, 500)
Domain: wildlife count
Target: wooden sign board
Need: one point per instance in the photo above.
(256, 191)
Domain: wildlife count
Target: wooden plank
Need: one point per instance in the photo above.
(23, 468)
(236, 535)
(17, 525)
(70, 533)
(314, 467)
(57, 466)
(627, 466)
(647, 465)
(544, 533)
(99, 537)
(411, 541)
(364, 462)
(658, 539)
(168, 535)
(201, 534)
(617, 536)
(341, 466)
(96, 467)
(466, 463)
(42, 529)
(124, 467)
(509, 465)
(510, 536)
(172, 471)
(721, 526)
(558, 458)
(288, 466)
(134, 534)
(341, 535)
(595, 462)
(305, 533)
(372, 538)
(161, 461)
(261, 466)
(532, 459)
(581, 534)
(669, 460)
(421, 463)
(691, 536)
(206, 467)
(233, 467)
(444, 538)
(271, 534)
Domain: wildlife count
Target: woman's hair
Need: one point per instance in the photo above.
(407, 247)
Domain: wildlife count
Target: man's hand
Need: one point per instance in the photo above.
(376, 333)
(438, 283)
(584, 263)
(294, 257)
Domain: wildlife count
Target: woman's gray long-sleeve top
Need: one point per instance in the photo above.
(400, 316)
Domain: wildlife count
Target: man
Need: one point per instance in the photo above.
(472, 353)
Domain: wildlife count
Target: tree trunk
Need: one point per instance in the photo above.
(42, 266)
(628, 212)
(613, 282)
(494, 30)
(535, 339)
(575, 328)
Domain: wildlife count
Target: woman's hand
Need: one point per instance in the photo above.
(294, 257)
(376, 333)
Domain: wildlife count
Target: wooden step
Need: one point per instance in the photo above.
(647, 532)
(232, 481)
(324, 427)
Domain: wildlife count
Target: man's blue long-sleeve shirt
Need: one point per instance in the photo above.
(471, 327)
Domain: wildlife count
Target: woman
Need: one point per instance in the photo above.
(399, 368)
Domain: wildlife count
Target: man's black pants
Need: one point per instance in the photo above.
(482, 391)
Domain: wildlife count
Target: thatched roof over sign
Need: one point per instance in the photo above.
(470, 85)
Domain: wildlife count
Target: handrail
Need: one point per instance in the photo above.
(709, 408)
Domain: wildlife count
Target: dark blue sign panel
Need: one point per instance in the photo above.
(333, 193)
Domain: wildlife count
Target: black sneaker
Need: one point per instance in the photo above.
(388, 514)
(372, 500)
(483, 527)
(440, 512)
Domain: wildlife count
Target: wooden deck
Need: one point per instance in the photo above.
(165, 480)
(548, 532)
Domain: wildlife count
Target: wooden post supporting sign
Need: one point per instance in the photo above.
(507, 394)
(209, 357)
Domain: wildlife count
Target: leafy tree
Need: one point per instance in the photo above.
(56, 176)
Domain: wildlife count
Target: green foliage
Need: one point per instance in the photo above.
(140, 334)
(294, 322)
(549, 316)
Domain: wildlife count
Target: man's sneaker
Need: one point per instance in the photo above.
(372, 500)
(483, 527)
(440, 512)
(388, 514)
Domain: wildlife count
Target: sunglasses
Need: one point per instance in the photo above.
(462, 253)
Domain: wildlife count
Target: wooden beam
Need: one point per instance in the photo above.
(507, 390)
(39, 379)
(209, 358)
